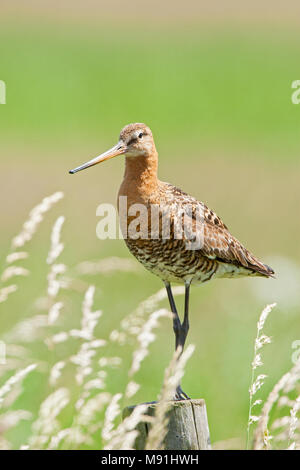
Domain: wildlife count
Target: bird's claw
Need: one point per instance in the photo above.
(180, 394)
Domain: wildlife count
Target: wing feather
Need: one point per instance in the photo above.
(218, 243)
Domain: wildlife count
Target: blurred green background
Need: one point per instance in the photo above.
(216, 91)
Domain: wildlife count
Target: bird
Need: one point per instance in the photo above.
(203, 250)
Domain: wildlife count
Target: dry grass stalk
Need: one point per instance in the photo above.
(258, 381)
(90, 390)
(54, 312)
(16, 256)
(55, 372)
(288, 380)
(12, 271)
(124, 436)
(56, 245)
(5, 291)
(132, 324)
(14, 380)
(28, 330)
(145, 338)
(31, 330)
(36, 216)
(294, 423)
(173, 376)
(113, 410)
(131, 389)
(46, 425)
(10, 419)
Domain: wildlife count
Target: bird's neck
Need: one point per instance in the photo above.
(140, 177)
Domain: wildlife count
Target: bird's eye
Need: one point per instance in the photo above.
(140, 135)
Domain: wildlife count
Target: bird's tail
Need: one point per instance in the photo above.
(258, 267)
(270, 271)
(261, 269)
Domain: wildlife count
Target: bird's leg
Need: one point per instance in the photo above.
(176, 319)
(185, 324)
(180, 329)
(180, 394)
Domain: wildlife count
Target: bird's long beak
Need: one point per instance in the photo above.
(118, 149)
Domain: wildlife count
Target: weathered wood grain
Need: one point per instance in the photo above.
(187, 429)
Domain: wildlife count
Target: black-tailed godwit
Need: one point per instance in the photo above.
(174, 258)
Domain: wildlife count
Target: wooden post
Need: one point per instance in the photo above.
(187, 428)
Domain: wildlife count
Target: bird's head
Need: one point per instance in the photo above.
(135, 140)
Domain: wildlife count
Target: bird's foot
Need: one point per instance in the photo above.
(180, 394)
